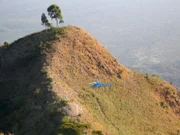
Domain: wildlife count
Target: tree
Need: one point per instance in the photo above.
(55, 13)
(6, 43)
(44, 20)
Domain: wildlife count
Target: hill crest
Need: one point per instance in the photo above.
(136, 104)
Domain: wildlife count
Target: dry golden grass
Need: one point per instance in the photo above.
(134, 105)
(131, 106)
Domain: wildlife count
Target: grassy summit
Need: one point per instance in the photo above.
(38, 70)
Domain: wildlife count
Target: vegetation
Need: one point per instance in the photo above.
(163, 104)
(131, 101)
(38, 106)
(97, 132)
(32, 86)
(69, 127)
(55, 13)
(45, 21)
(6, 43)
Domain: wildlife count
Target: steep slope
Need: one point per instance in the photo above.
(24, 99)
(129, 107)
(64, 67)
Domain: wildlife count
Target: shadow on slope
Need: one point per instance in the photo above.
(27, 103)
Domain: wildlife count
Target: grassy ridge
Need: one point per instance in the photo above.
(27, 103)
(49, 65)
(131, 106)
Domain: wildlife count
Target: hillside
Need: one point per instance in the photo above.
(45, 76)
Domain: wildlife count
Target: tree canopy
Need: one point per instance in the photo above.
(55, 13)
(44, 20)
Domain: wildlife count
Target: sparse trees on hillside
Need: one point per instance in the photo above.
(55, 13)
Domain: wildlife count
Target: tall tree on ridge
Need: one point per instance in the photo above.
(55, 13)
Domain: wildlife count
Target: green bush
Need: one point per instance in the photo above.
(73, 128)
(163, 104)
(37, 91)
(45, 47)
(50, 80)
(64, 102)
(44, 71)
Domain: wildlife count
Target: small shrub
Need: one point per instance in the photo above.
(169, 93)
(45, 47)
(178, 132)
(37, 91)
(64, 102)
(97, 132)
(48, 45)
(44, 71)
(50, 80)
(59, 110)
(6, 43)
(99, 64)
(146, 76)
(71, 128)
(55, 32)
(163, 104)
(49, 87)
(93, 95)
(119, 75)
(66, 119)
(62, 31)
(56, 36)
